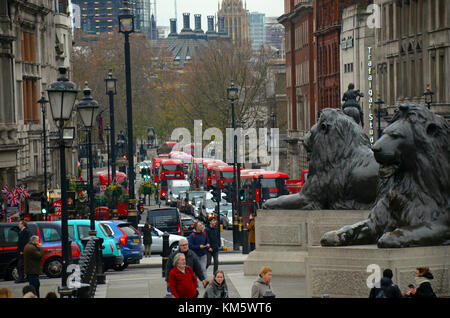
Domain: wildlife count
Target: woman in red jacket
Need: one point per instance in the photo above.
(182, 280)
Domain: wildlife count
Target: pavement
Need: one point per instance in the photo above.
(145, 280)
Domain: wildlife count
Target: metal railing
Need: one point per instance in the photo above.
(91, 267)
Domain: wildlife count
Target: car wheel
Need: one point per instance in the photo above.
(120, 267)
(53, 267)
(173, 247)
(12, 273)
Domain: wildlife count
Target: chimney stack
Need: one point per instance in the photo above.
(198, 23)
(211, 24)
(173, 27)
(186, 22)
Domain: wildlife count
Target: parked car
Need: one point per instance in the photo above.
(166, 219)
(111, 253)
(188, 226)
(130, 241)
(157, 240)
(49, 235)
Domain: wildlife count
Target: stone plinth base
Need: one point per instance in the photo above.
(342, 272)
(283, 236)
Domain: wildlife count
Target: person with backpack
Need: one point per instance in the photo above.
(387, 288)
(213, 235)
(198, 243)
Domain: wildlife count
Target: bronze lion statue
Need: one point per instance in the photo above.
(413, 200)
(342, 174)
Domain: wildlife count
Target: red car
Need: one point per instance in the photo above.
(49, 234)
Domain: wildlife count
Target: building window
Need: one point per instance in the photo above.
(30, 107)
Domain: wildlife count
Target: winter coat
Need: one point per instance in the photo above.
(147, 234)
(197, 239)
(191, 261)
(214, 290)
(213, 237)
(183, 285)
(424, 289)
(260, 287)
(387, 289)
(251, 231)
(33, 257)
(24, 239)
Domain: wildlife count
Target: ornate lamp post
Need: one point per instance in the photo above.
(62, 95)
(111, 90)
(88, 109)
(379, 102)
(126, 26)
(428, 96)
(232, 96)
(43, 102)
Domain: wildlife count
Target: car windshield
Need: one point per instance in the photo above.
(196, 193)
(210, 204)
(177, 190)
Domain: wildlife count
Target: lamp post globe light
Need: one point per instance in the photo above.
(62, 95)
(111, 90)
(43, 102)
(428, 96)
(232, 96)
(126, 26)
(88, 109)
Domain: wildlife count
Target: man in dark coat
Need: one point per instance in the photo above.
(198, 243)
(24, 239)
(191, 261)
(33, 256)
(213, 235)
(387, 288)
(148, 240)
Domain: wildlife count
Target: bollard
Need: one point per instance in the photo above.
(165, 252)
(101, 277)
(245, 245)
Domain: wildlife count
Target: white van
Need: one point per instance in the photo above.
(174, 189)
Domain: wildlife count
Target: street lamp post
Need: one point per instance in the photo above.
(108, 129)
(87, 109)
(111, 90)
(379, 102)
(43, 102)
(232, 96)
(62, 95)
(126, 26)
(428, 96)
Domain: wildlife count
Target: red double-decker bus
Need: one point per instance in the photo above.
(170, 169)
(223, 176)
(208, 172)
(265, 184)
(156, 162)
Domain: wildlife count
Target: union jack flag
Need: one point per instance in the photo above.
(14, 195)
(24, 192)
(5, 190)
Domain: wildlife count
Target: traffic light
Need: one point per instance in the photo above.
(241, 195)
(141, 206)
(145, 173)
(44, 205)
(216, 194)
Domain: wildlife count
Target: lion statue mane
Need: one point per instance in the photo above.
(413, 200)
(342, 173)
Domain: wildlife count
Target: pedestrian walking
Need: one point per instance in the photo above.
(24, 238)
(147, 233)
(251, 232)
(191, 261)
(387, 288)
(213, 236)
(217, 288)
(182, 280)
(156, 196)
(33, 256)
(5, 293)
(29, 291)
(198, 243)
(262, 286)
(423, 281)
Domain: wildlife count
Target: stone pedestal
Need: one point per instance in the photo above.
(342, 272)
(283, 236)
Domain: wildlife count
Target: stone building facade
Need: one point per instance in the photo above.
(412, 50)
(236, 22)
(35, 38)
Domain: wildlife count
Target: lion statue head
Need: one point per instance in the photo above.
(342, 169)
(413, 201)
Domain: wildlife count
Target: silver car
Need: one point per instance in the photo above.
(157, 240)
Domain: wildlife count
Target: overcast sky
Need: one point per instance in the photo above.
(165, 9)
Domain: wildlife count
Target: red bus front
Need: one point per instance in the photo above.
(210, 171)
(223, 176)
(155, 169)
(170, 170)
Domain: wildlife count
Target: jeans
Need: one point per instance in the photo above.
(203, 260)
(215, 255)
(33, 280)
